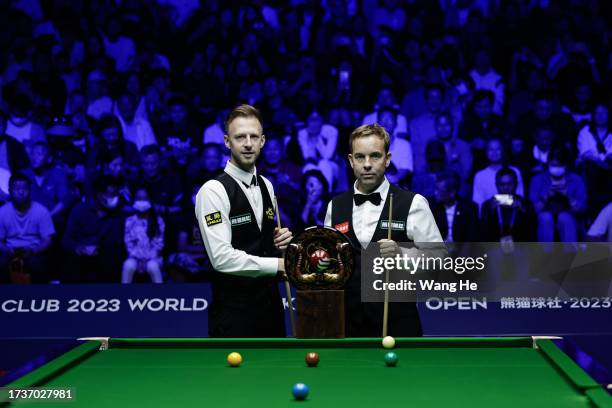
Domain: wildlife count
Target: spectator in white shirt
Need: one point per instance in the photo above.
(544, 137)
(484, 180)
(400, 149)
(386, 99)
(595, 140)
(601, 229)
(20, 125)
(485, 77)
(318, 142)
(119, 47)
(97, 95)
(135, 129)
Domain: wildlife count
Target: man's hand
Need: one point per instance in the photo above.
(389, 248)
(282, 237)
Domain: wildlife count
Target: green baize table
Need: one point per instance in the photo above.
(432, 372)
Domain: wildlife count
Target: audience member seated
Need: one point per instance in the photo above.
(318, 143)
(456, 218)
(484, 180)
(144, 240)
(13, 155)
(595, 140)
(595, 158)
(601, 228)
(386, 100)
(316, 193)
(49, 184)
(20, 124)
(285, 176)
(424, 183)
(458, 152)
(190, 262)
(26, 230)
(135, 129)
(180, 135)
(423, 127)
(559, 198)
(400, 149)
(479, 125)
(166, 191)
(114, 168)
(207, 165)
(99, 102)
(543, 138)
(110, 137)
(93, 241)
(486, 78)
(507, 216)
(544, 114)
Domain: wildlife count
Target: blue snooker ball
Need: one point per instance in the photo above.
(300, 391)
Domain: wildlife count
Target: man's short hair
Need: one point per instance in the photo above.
(242, 111)
(434, 87)
(370, 130)
(505, 171)
(150, 149)
(177, 100)
(109, 155)
(445, 114)
(17, 177)
(451, 179)
(561, 154)
(109, 121)
(483, 94)
(101, 184)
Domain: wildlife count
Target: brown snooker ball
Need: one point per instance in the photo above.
(312, 359)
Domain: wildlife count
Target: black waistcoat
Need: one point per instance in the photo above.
(246, 236)
(364, 319)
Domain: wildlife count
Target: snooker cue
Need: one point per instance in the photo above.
(386, 304)
(287, 287)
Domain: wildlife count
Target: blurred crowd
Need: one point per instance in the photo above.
(111, 118)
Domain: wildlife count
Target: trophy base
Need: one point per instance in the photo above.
(320, 314)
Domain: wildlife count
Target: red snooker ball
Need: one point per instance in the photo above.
(312, 359)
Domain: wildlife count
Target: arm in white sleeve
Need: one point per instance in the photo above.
(217, 237)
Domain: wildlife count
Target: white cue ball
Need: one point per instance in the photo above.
(388, 342)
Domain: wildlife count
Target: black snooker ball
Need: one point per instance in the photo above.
(312, 359)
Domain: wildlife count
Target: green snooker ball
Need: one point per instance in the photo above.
(391, 359)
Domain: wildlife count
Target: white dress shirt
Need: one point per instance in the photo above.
(217, 238)
(420, 225)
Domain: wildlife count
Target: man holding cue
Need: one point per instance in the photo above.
(235, 213)
(359, 215)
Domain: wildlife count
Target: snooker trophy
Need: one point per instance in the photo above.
(319, 262)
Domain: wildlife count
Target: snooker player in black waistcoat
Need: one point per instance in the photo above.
(235, 213)
(359, 214)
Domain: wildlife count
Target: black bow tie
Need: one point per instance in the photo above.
(374, 198)
(253, 182)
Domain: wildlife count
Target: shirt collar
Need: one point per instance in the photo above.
(383, 189)
(238, 173)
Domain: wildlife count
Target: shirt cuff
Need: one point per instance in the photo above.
(268, 266)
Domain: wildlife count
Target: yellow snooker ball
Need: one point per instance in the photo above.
(234, 359)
